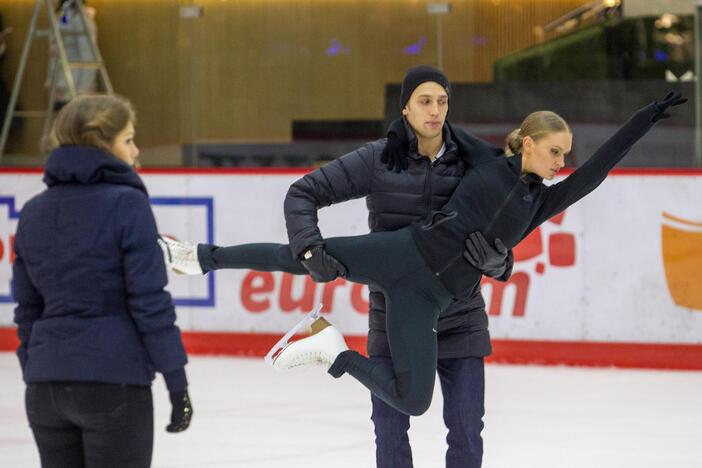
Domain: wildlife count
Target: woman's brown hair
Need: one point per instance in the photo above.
(92, 120)
(536, 125)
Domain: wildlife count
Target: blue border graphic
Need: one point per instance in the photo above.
(208, 203)
(12, 214)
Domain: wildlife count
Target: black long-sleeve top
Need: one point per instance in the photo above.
(495, 198)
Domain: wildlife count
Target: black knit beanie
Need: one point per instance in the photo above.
(418, 75)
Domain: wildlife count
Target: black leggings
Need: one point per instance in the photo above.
(414, 298)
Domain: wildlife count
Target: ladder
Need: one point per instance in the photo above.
(63, 65)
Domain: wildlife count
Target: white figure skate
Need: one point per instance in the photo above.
(181, 257)
(320, 348)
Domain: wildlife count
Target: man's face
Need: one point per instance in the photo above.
(426, 110)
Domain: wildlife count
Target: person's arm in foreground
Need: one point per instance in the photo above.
(150, 305)
(593, 172)
(30, 304)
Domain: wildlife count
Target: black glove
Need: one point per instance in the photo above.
(492, 261)
(181, 411)
(396, 152)
(673, 98)
(322, 266)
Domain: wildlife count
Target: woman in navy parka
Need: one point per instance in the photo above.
(93, 318)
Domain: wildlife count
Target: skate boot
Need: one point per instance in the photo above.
(180, 257)
(320, 348)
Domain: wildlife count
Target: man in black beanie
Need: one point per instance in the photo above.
(395, 200)
(418, 75)
(424, 100)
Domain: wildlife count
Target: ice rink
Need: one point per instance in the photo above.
(246, 415)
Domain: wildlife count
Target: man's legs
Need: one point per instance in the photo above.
(463, 387)
(392, 448)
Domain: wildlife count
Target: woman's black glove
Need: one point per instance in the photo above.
(322, 266)
(491, 260)
(396, 152)
(673, 98)
(181, 411)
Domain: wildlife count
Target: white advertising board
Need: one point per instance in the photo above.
(622, 265)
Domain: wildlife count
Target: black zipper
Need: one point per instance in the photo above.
(428, 191)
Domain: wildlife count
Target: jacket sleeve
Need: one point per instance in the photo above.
(346, 178)
(149, 304)
(30, 304)
(585, 179)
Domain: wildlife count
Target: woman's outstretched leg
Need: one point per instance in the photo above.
(259, 257)
(371, 258)
(193, 260)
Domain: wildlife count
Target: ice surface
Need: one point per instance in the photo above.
(249, 416)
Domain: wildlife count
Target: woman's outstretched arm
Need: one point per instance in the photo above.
(590, 175)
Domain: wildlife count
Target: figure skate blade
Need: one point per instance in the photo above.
(307, 320)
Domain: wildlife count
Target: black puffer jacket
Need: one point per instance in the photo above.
(394, 200)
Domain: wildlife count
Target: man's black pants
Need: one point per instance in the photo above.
(91, 425)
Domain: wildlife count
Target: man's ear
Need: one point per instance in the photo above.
(405, 111)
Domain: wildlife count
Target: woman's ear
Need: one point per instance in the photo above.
(527, 143)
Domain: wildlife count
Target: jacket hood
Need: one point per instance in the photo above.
(88, 165)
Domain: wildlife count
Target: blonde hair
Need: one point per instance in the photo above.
(92, 120)
(536, 125)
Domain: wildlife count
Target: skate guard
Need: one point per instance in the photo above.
(307, 321)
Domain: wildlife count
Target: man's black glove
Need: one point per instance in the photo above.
(673, 98)
(322, 266)
(181, 411)
(396, 152)
(491, 260)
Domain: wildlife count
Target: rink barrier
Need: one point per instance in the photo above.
(658, 355)
(670, 356)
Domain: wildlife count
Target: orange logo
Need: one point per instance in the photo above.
(682, 259)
